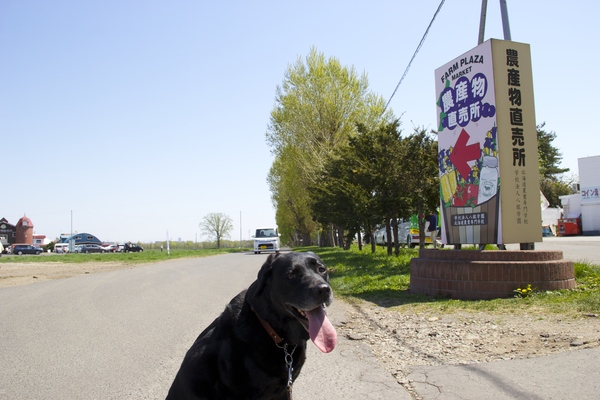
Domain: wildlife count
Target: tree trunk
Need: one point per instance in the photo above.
(388, 235)
(340, 237)
(395, 229)
(332, 234)
(421, 219)
(306, 240)
(360, 243)
(327, 237)
(372, 239)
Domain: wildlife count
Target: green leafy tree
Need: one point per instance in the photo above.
(336, 199)
(419, 165)
(316, 109)
(216, 226)
(381, 148)
(362, 186)
(553, 182)
(549, 156)
(289, 194)
(345, 194)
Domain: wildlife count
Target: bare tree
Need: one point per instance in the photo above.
(216, 226)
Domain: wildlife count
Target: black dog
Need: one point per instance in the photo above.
(256, 348)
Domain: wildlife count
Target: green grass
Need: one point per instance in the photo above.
(385, 280)
(146, 256)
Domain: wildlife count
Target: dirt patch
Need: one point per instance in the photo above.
(402, 340)
(14, 274)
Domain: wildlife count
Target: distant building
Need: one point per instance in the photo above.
(81, 238)
(586, 203)
(40, 240)
(21, 233)
(589, 181)
(24, 231)
(8, 232)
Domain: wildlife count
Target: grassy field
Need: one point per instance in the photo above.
(385, 280)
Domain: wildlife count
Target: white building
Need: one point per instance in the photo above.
(40, 240)
(589, 182)
(586, 203)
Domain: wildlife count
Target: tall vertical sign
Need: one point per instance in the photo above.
(487, 142)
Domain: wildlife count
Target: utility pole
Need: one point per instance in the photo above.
(71, 246)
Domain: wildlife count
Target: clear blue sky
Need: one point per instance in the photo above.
(141, 117)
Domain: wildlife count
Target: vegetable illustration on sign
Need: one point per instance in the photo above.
(467, 140)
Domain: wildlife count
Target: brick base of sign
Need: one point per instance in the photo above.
(488, 274)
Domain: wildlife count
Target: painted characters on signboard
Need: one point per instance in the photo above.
(467, 140)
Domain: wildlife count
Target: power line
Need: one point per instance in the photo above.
(414, 55)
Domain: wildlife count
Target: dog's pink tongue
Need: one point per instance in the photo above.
(321, 332)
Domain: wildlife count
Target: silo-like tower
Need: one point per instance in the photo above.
(24, 231)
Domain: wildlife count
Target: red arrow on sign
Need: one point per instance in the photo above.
(462, 154)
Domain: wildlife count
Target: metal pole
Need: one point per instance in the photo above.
(71, 238)
(482, 21)
(505, 24)
(168, 245)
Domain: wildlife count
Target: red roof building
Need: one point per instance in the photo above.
(24, 231)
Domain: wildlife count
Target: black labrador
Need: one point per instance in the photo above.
(256, 348)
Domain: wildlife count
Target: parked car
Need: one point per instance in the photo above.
(26, 249)
(61, 248)
(132, 247)
(266, 239)
(408, 234)
(91, 248)
(110, 248)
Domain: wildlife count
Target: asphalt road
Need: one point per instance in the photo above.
(113, 335)
(123, 334)
(574, 248)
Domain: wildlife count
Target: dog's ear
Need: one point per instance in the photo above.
(265, 271)
(264, 275)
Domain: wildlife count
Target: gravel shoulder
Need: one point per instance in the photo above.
(15, 274)
(402, 339)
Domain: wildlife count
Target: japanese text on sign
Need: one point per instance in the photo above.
(590, 193)
(516, 112)
(469, 219)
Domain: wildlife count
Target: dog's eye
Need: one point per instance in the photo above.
(322, 270)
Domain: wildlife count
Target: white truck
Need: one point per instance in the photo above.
(266, 239)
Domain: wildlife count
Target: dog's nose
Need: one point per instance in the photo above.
(323, 290)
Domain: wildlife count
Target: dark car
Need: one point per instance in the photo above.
(132, 247)
(26, 249)
(91, 248)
